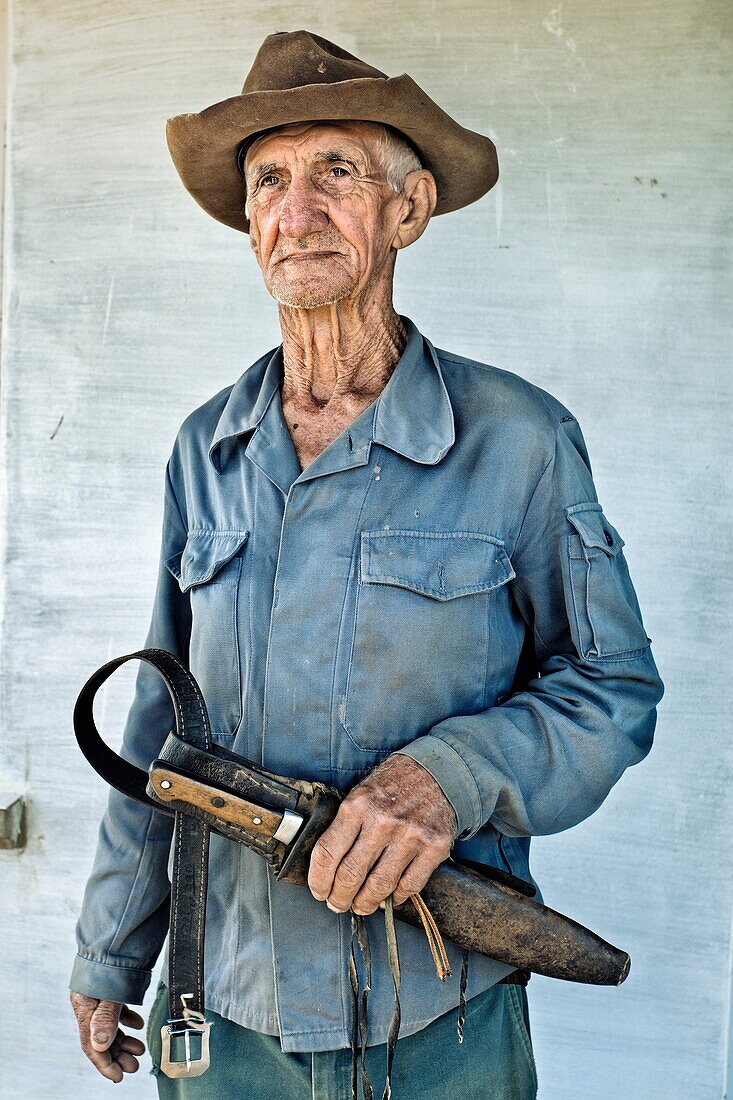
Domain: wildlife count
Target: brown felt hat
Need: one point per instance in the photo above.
(300, 77)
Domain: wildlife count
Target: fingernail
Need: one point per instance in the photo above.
(333, 908)
(100, 1036)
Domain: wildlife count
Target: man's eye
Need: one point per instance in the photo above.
(263, 181)
(339, 168)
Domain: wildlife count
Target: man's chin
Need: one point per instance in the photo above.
(300, 297)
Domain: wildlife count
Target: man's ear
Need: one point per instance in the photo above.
(420, 199)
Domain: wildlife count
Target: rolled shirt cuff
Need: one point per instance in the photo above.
(109, 981)
(453, 776)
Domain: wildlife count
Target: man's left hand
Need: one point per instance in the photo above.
(390, 833)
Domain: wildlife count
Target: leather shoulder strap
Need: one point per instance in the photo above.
(191, 836)
(192, 721)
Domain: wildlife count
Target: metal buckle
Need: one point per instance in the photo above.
(187, 1024)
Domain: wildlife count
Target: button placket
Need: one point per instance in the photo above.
(275, 601)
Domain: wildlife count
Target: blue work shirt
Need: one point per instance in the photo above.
(441, 582)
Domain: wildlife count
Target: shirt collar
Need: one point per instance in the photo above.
(246, 405)
(412, 415)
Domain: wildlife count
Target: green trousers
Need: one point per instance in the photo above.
(494, 1062)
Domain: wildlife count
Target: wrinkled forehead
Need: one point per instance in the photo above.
(356, 135)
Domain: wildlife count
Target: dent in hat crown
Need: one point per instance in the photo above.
(291, 59)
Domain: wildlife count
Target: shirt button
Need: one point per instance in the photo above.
(609, 537)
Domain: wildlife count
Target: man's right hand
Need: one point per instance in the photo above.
(102, 1040)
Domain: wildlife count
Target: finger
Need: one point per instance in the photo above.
(381, 881)
(414, 877)
(104, 1022)
(331, 849)
(127, 1062)
(130, 1018)
(104, 1063)
(131, 1044)
(353, 870)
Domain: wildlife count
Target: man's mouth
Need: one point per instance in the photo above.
(307, 255)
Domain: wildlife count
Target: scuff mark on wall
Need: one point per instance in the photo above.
(108, 310)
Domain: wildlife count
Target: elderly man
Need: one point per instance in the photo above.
(387, 568)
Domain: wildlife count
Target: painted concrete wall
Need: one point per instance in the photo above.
(595, 268)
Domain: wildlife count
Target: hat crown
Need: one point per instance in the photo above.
(291, 59)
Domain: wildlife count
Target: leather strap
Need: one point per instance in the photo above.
(192, 722)
(191, 834)
(435, 940)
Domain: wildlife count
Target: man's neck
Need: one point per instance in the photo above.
(339, 351)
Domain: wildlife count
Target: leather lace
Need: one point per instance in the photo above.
(361, 987)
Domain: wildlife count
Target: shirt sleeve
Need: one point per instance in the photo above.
(124, 914)
(547, 756)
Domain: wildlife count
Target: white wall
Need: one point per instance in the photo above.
(595, 268)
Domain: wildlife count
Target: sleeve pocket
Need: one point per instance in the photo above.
(605, 620)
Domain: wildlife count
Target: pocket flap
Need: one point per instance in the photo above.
(594, 529)
(204, 554)
(439, 564)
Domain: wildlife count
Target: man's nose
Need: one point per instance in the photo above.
(302, 209)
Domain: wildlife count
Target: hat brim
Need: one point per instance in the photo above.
(204, 145)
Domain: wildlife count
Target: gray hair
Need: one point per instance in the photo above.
(396, 157)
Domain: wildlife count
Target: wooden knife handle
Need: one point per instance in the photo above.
(169, 786)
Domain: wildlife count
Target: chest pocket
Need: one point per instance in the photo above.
(419, 642)
(210, 569)
(605, 619)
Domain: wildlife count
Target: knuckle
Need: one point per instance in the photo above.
(356, 806)
(82, 1012)
(437, 846)
(381, 883)
(412, 836)
(412, 882)
(320, 856)
(381, 823)
(349, 874)
(106, 1015)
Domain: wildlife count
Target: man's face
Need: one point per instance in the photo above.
(322, 215)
